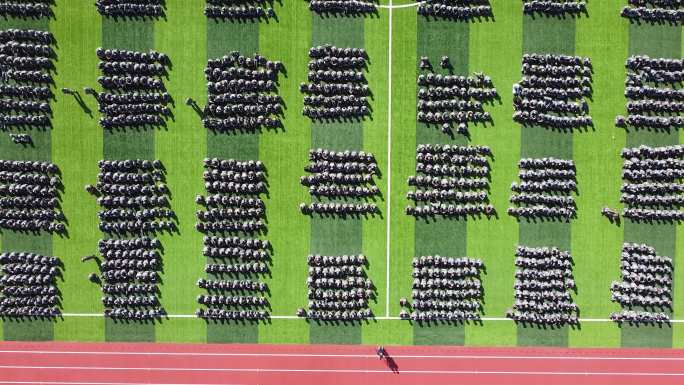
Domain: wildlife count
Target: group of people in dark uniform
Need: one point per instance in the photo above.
(654, 11)
(337, 88)
(652, 183)
(545, 190)
(28, 285)
(445, 289)
(233, 216)
(338, 289)
(448, 100)
(239, 10)
(135, 9)
(134, 94)
(654, 101)
(553, 92)
(243, 94)
(452, 182)
(645, 292)
(335, 175)
(543, 281)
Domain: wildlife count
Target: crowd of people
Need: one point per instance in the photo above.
(130, 277)
(545, 190)
(240, 10)
(554, 7)
(243, 94)
(350, 8)
(553, 92)
(235, 262)
(337, 88)
(27, 9)
(645, 292)
(135, 9)
(651, 188)
(29, 285)
(29, 197)
(654, 101)
(448, 101)
(452, 181)
(462, 10)
(134, 93)
(341, 175)
(543, 281)
(26, 65)
(135, 206)
(654, 11)
(338, 289)
(445, 289)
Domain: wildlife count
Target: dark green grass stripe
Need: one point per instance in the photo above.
(544, 35)
(128, 144)
(223, 38)
(655, 41)
(337, 236)
(437, 38)
(27, 330)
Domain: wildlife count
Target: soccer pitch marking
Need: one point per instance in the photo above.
(386, 318)
(400, 6)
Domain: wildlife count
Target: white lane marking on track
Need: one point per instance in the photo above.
(351, 371)
(313, 355)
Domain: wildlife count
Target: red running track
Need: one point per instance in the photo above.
(119, 364)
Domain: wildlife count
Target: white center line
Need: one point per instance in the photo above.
(389, 163)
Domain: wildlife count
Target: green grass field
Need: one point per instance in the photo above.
(494, 47)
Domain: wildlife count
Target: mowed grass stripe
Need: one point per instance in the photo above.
(286, 155)
(493, 240)
(27, 329)
(556, 36)
(657, 41)
(222, 38)
(441, 236)
(596, 243)
(182, 148)
(128, 144)
(76, 148)
(404, 91)
(337, 236)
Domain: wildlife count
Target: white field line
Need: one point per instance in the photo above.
(318, 355)
(389, 162)
(293, 317)
(348, 371)
(399, 6)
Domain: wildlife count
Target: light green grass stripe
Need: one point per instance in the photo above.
(546, 35)
(76, 148)
(222, 38)
(493, 240)
(128, 144)
(285, 153)
(27, 329)
(655, 41)
(181, 148)
(337, 236)
(404, 90)
(375, 140)
(595, 241)
(437, 38)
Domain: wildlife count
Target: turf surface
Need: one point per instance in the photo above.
(493, 47)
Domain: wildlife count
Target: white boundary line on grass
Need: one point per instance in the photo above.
(391, 7)
(389, 163)
(387, 318)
